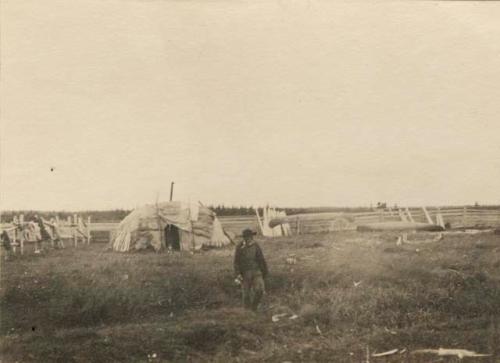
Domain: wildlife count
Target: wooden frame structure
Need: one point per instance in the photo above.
(73, 229)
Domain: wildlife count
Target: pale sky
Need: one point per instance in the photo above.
(293, 103)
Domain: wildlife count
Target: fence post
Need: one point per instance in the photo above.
(73, 228)
(464, 217)
(18, 232)
(427, 216)
(21, 241)
(79, 229)
(88, 230)
(410, 217)
(440, 219)
(402, 216)
(14, 233)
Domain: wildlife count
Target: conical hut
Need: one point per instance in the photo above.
(173, 225)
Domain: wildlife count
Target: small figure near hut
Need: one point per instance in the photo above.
(250, 268)
(6, 243)
(44, 235)
(55, 233)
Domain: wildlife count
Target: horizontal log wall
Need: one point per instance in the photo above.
(457, 217)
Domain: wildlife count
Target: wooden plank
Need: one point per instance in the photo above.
(440, 220)
(486, 213)
(451, 210)
(21, 241)
(15, 238)
(236, 218)
(74, 227)
(451, 213)
(358, 214)
(410, 217)
(427, 216)
(485, 209)
(259, 221)
(398, 226)
(306, 217)
(89, 224)
(102, 227)
(402, 216)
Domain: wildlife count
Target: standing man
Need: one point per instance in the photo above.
(251, 269)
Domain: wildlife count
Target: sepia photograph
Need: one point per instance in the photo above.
(249, 181)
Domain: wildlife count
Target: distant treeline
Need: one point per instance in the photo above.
(96, 215)
(116, 215)
(222, 210)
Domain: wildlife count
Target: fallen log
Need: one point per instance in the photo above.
(384, 354)
(460, 353)
(399, 226)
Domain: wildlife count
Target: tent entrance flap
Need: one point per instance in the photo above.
(172, 237)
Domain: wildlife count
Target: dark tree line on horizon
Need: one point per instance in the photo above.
(97, 216)
(115, 215)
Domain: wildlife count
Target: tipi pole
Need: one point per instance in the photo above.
(160, 230)
(410, 217)
(15, 236)
(193, 242)
(21, 241)
(88, 229)
(259, 221)
(171, 190)
(427, 216)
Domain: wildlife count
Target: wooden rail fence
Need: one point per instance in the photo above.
(76, 229)
(73, 229)
(457, 217)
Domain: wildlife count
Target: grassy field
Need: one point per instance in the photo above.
(89, 305)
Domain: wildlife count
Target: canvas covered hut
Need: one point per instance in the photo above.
(175, 225)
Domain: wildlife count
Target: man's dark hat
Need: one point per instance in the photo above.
(248, 232)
